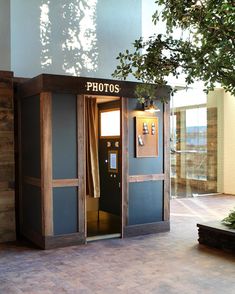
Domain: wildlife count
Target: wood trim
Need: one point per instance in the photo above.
(144, 229)
(146, 178)
(46, 162)
(166, 132)
(32, 181)
(50, 242)
(65, 183)
(77, 85)
(64, 240)
(20, 202)
(6, 74)
(81, 164)
(125, 161)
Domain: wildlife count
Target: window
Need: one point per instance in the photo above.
(110, 123)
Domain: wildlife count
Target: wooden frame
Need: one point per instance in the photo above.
(46, 162)
(125, 161)
(81, 140)
(166, 156)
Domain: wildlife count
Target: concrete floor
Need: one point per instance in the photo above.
(171, 262)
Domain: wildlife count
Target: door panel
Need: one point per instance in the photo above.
(110, 181)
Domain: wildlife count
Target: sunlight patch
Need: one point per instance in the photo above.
(80, 45)
(68, 35)
(45, 32)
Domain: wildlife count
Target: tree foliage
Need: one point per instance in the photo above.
(207, 54)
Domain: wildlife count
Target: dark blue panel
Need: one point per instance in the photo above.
(143, 166)
(30, 136)
(64, 136)
(31, 202)
(65, 210)
(145, 202)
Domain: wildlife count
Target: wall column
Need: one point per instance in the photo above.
(7, 162)
(229, 143)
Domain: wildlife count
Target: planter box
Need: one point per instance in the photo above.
(217, 235)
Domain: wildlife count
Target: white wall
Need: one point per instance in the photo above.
(225, 104)
(75, 37)
(229, 143)
(5, 48)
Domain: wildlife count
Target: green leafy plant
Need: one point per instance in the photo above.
(148, 91)
(230, 220)
(205, 51)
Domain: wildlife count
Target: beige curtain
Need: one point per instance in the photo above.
(92, 161)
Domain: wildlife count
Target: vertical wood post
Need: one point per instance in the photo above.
(81, 163)
(125, 161)
(166, 122)
(46, 162)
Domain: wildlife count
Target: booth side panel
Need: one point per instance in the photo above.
(145, 202)
(64, 136)
(64, 155)
(145, 212)
(30, 194)
(65, 210)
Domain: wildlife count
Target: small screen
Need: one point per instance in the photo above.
(113, 161)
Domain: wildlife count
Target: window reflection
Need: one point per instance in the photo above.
(193, 146)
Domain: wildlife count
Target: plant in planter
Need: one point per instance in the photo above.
(230, 220)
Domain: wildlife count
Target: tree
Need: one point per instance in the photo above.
(207, 54)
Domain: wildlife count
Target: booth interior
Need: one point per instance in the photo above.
(103, 165)
(92, 164)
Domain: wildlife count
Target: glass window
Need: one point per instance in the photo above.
(110, 123)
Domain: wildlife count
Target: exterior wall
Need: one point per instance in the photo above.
(7, 194)
(215, 99)
(80, 38)
(229, 143)
(225, 104)
(5, 46)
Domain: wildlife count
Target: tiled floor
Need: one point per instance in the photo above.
(166, 263)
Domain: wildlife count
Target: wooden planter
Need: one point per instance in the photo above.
(217, 235)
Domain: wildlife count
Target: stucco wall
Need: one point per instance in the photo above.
(75, 37)
(5, 63)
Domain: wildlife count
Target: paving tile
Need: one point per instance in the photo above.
(168, 263)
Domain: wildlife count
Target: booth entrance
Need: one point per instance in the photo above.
(103, 167)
